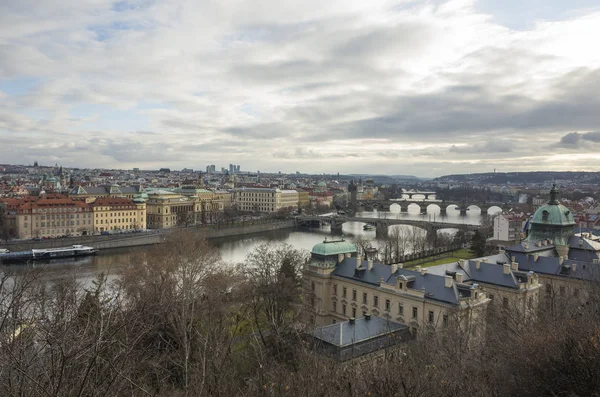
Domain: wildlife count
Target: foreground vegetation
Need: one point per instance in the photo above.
(179, 323)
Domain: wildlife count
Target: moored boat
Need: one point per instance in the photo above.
(47, 253)
(368, 227)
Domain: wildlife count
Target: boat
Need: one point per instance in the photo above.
(368, 227)
(47, 253)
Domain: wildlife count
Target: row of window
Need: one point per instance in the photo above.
(415, 312)
(112, 214)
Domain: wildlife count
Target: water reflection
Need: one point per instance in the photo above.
(233, 249)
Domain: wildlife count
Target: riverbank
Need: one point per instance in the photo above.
(440, 259)
(150, 237)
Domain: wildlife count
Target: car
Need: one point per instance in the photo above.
(105, 233)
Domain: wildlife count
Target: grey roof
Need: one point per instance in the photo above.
(346, 334)
(432, 284)
(106, 189)
(489, 272)
(582, 270)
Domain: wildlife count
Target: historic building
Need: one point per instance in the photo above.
(94, 192)
(343, 286)
(188, 206)
(118, 214)
(48, 216)
(264, 199)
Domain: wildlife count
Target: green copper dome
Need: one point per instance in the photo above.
(552, 221)
(333, 247)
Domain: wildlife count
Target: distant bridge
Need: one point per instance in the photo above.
(463, 207)
(382, 225)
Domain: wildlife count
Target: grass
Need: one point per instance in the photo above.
(440, 260)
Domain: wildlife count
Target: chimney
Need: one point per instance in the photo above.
(539, 243)
(423, 271)
(370, 264)
(574, 267)
(477, 264)
(535, 257)
(459, 278)
(550, 242)
(341, 258)
(514, 266)
(526, 245)
(351, 320)
(348, 254)
(400, 265)
(561, 260)
(394, 268)
(448, 281)
(418, 268)
(367, 317)
(506, 267)
(513, 258)
(358, 261)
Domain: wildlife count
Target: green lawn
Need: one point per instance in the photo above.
(437, 260)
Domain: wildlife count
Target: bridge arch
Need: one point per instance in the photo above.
(434, 209)
(395, 208)
(413, 207)
(452, 207)
(494, 210)
(474, 209)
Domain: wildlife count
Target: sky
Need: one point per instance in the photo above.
(423, 88)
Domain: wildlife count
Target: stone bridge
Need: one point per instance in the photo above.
(381, 225)
(463, 207)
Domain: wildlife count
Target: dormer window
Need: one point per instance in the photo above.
(545, 215)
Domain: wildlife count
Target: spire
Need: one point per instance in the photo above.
(553, 195)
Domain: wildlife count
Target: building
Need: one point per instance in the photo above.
(359, 337)
(508, 227)
(303, 198)
(48, 216)
(118, 214)
(343, 286)
(95, 192)
(264, 199)
(188, 206)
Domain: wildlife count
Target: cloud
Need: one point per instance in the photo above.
(354, 86)
(575, 139)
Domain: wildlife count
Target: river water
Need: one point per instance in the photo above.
(233, 249)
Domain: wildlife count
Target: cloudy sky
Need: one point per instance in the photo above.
(397, 87)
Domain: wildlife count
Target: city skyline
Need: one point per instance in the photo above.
(401, 87)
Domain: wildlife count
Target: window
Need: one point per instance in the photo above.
(576, 292)
(335, 306)
(415, 312)
(445, 321)
(431, 316)
(312, 286)
(375, 301)
(400, 309)
(548, 288)
(354, 312)
(344, 310)
(365, 298)
(353, 294)
(505, 303)
(335, 289)
(344, 292)
(562, 289)
(387, 305)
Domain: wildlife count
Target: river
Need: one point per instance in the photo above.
(233, 249)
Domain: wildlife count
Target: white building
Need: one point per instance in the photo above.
(508, 227)
(265, 199)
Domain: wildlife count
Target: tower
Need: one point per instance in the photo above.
(353, 195)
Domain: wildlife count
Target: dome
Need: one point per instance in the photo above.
(321, 184)
(552, 221)
(333, 247)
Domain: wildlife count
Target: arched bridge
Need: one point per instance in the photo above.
(382, 225)
(463, 207)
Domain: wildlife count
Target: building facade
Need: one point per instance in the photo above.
(344, 286)
(508, 227)
(118, 214)
(49, 216)
(265, 199)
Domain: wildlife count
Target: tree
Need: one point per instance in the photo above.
(478, 244)
(274, 293)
